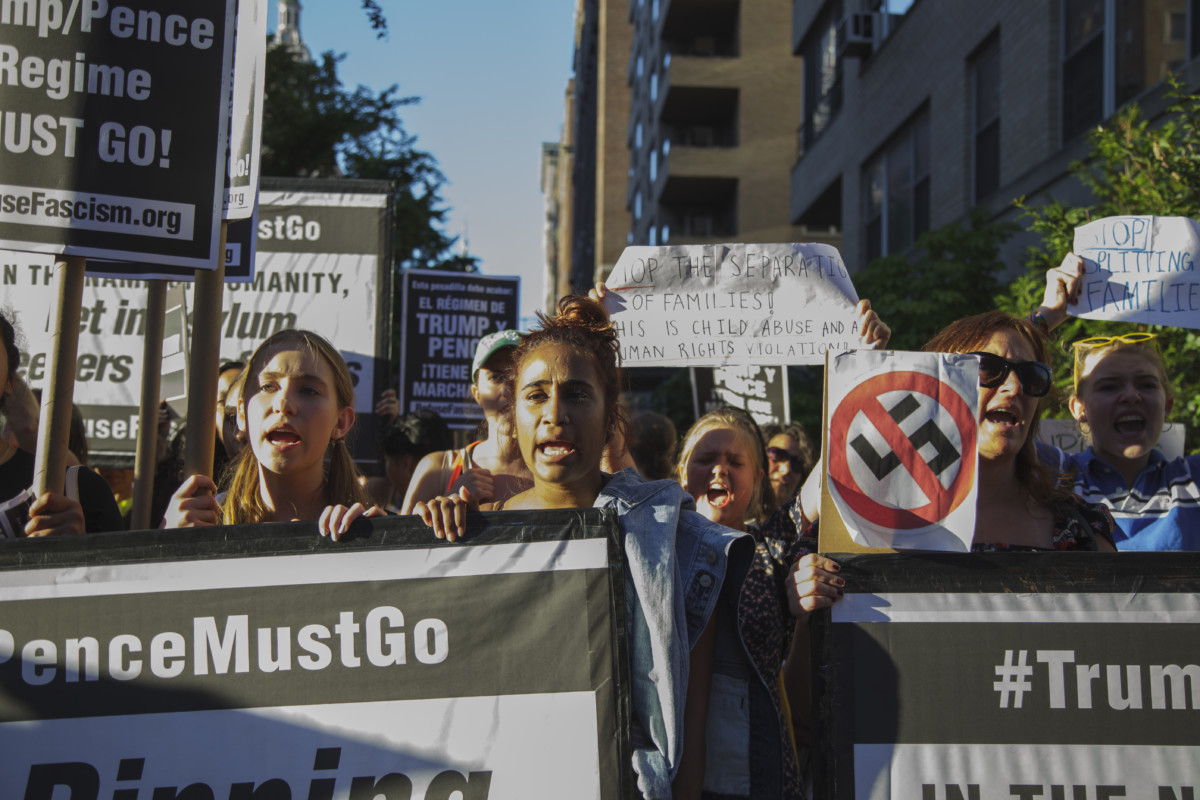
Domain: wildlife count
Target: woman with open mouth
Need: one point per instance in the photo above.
(296, 409)
(1121, 398)
(680, 568)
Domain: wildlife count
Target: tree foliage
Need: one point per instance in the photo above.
(952, 272)
(313, 127)
(1135, 167)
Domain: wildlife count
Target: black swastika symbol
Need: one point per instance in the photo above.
(945, 452)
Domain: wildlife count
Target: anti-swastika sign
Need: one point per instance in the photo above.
(902, 458)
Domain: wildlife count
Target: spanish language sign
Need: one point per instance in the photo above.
(731, 304)
(1140, 269)
(901, 453)
(353, 672)
(115, 128)
(445, 316)
(1011, 676)
(321, 266)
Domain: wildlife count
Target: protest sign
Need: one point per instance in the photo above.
(245, 117)
(900, 458)
(115, 128)
(761, 391)
(263, 661)
(731, 304)
(445, 316)
(240, 247)
(1140, 269)
(322, 265)
(1051, 676)
(1066, 435)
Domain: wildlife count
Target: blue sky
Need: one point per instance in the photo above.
(491, 78)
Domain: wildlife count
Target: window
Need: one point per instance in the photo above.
(822, 78)
(1113, 50)
(653, 165)
(889, 13)
(637, 206)
(653, 86)
(985, 144)
(896, 190)
(653, 235)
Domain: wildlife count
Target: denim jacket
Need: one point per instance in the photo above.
(675, 565)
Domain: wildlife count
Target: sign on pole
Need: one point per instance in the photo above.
(245, 118)
(322, 265)
(1011, 675)
(168, 667)
(445, 316)
(115, 128)
(731, 305)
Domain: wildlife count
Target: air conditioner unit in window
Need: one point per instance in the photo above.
(855, 35)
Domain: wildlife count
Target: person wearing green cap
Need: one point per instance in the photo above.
(492, 468)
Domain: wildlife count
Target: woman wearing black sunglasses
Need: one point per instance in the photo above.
(1021, 503)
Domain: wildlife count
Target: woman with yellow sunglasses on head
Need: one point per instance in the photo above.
(1121, 399)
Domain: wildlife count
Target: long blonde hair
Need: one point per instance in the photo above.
(243, 502)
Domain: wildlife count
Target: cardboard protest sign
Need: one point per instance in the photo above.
(245, 117)
(1049, 676)
(731, 304)
(115, 128)
(162, 663)
(445, 316)
(761, 391)
(322, 265)
(899, 459)
(1140, 269)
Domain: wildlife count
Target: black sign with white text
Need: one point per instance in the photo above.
(263, 661)
(101, 155)
(445, 316)
(1022, 676)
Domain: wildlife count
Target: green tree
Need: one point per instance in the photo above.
(1135, 167)
(952, 272)
(313, 127)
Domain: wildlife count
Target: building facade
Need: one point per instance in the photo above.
(916, 111)
(715, 105)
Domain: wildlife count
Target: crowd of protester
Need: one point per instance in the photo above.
(719, 644)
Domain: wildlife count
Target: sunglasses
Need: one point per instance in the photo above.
(1125, 338)
(779, 455)
(1036, 378)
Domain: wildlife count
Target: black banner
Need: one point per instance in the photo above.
(500, 660)
(1011, 676)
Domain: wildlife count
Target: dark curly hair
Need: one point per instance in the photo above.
(583, 325)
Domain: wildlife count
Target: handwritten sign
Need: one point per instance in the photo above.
(901, 456)
(731, 304)
(1140, 269)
